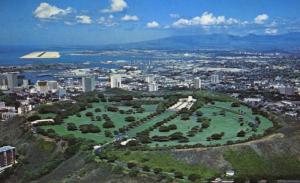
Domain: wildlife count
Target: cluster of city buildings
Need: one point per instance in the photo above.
(254, 78)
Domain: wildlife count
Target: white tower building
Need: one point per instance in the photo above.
(52, 86)
(12, 80)
(88, 84)
(153, 87)
(115, 81)
(215, 79)
(197, 83)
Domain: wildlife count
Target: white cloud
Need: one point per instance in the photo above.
(271, 31)
(260, 19)
(116, 6)
(83, 19)
(153, 24)
(108, 22)
(130, 18)
(69, 23)
(47, 11)
(174, 15)
(205, 19)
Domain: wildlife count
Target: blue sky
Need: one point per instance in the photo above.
(96, 22)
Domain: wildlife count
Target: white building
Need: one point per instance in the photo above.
(52, 86)
(214, 79)
(25, 83)
(42, 87)
(12, 80)
(3, 82)
(149, 79)
(88, 83)
(7, 157)
(197, 83)
(61, 92)
(2, 105)
(183, 103)
(286, 90)
(153, 87)
(8, 115)
(115, 81)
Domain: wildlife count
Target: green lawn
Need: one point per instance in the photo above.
(228, 124)
(165, 161)
(116, 117)
(248, 164)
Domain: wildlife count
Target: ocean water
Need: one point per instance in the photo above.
(10, 55)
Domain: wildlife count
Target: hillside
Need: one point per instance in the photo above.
(284, 42)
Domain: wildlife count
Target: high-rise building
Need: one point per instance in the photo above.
(25, 83)
(7, 157)
(3, 82)
(61, 92)
(115, 81)
(149, 79)
(153, 87)
(12, 80)
(52, 86)
(197, 83)
(215, 79)
(286, 90)
(88, 83)
(42, 87)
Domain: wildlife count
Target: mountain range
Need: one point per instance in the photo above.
(282, 42)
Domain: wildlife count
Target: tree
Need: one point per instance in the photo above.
(193, 177)
(133, 173)
(108, 134)
(89, 128)
(241, 133)
(235, 104)
(89, 114)
(217, 136)
(140, 110)
(199, 113)
(108, 124)
(164, 129)
(98, 118)
(33, 118)
(97, 110)
(71, 127)
(112, 109)
(185, 116)
(205, 124)
(130, 119)
(131, 165)
(178, 175)
(176, 136)
(146, 168)
(157, 170)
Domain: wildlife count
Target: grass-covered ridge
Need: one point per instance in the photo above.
(250, 165)
(214, 119)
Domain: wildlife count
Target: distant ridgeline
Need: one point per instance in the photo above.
(283, 42)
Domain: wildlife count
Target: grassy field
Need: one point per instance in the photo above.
(228, 124)
(117, 118)
(165, 161)
(248, 164)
